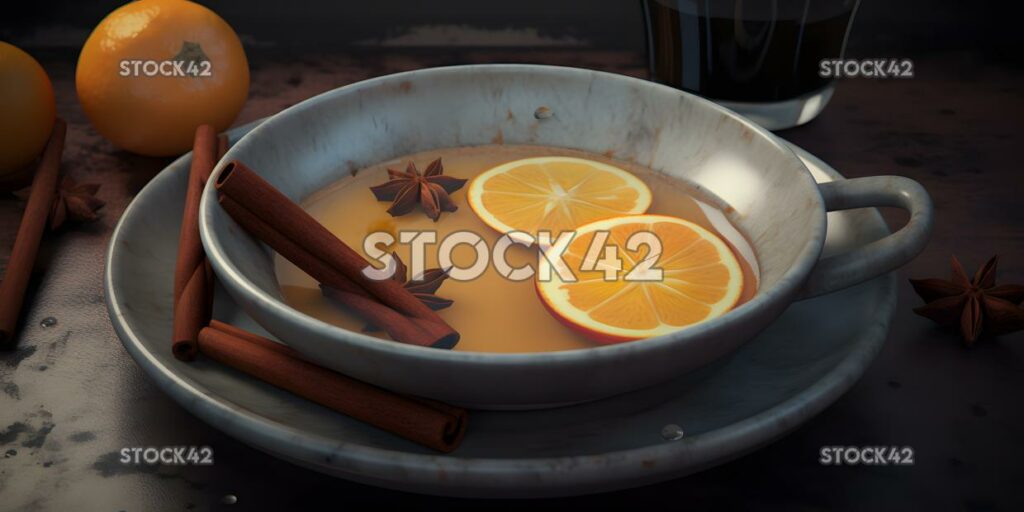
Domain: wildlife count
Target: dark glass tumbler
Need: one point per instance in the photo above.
(758, 57)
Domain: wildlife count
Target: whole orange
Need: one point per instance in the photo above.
(27, 109)
(154, 70)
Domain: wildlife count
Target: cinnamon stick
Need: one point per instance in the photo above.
(30, 234)
(432, 424)
(285, 350)
(222, 147)
(254, 338)
(283, 225)
(193, 285)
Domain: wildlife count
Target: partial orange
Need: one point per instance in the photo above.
(157, 115)
(27, 109)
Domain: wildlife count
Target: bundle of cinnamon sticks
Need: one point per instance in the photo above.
(271, 217)
(275, 220)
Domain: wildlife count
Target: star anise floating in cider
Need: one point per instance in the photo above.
(423, 288)
(430, 190)
(977, 306)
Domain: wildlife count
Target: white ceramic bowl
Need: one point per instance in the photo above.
(775, 203)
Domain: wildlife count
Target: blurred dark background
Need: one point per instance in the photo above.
(882, 28)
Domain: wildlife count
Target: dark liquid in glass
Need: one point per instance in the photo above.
(750, 51)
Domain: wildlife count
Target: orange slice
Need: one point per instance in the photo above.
(555, 193)
(681, 276)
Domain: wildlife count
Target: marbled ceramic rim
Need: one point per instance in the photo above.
(769, 299)
(492, 477)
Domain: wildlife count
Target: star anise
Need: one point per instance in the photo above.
(73, 203)
(430, 189)
(977, 306)
(423, 288)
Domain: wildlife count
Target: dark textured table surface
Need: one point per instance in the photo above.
(71, 397)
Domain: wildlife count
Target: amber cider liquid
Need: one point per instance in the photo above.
(491, 313)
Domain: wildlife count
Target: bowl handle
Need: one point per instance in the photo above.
(881, 256)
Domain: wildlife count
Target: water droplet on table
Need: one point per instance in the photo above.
(48, 322)
(229, 499)
(672, 432)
